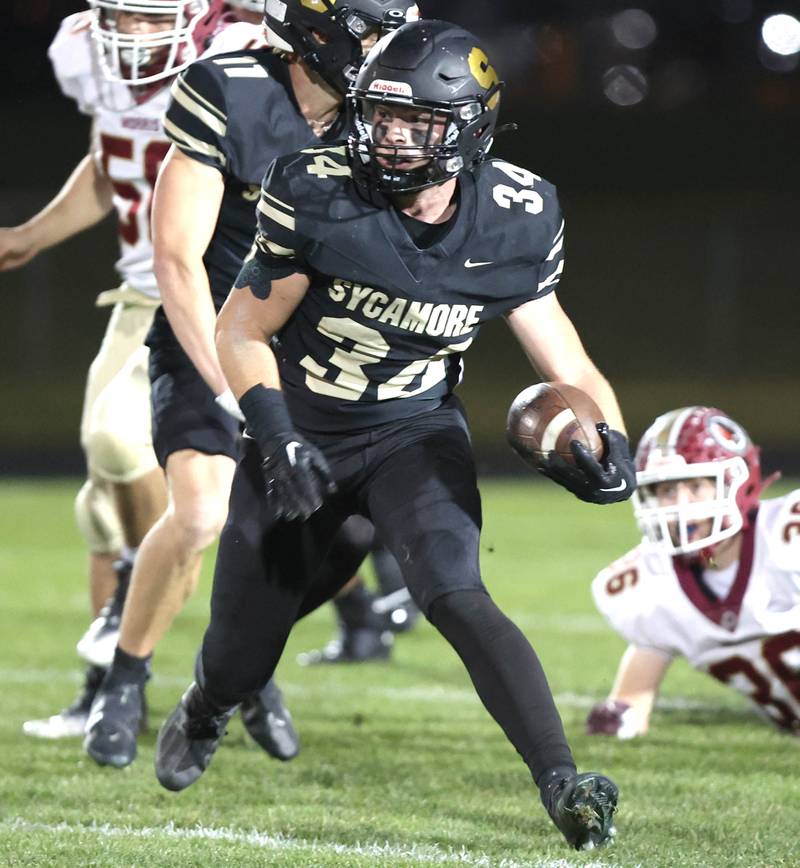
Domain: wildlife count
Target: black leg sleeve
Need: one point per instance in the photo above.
(507, 675)
(263, 572)
(387, 570)
(350, 546)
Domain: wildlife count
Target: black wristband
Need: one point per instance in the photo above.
(266, 413)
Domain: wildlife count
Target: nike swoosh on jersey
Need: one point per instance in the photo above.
(621, 487)
(470, 264)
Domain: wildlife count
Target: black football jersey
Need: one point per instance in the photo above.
(379, 335)
(237, 113)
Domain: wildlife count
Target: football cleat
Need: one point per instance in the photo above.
(269, 724)
(582, 807)
(71, 721)
(97, 644)
(117, 716)
(188, 738)
(397, 611)
(352, 645)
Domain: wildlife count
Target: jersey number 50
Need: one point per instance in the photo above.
(131, 202)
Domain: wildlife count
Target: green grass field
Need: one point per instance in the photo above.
(400, 764)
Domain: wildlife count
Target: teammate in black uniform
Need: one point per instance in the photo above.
(230, 116)
(375, 264)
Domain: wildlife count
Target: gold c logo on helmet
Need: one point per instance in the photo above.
(316, 5)
(483, 72)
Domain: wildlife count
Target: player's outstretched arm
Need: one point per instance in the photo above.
(85, 199)
(186, 205)
(555, 350)
(626, 712)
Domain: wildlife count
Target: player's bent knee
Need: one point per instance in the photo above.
(96, 517)
(464, 605)
(445, 589)
(118, 458)
(200, 521)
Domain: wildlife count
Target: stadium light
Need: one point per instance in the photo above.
(781, 34)
(625, 85)
(634, 28)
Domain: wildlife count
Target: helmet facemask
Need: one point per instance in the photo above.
(142, 58)
(448, 138)
(248, 5)
(691, 443)
(672, 526)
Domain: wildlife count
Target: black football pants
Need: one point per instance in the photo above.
(416, 482)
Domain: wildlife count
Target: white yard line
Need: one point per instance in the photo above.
(523, 618)
(424, 854)
(422, 693)
(559, 623)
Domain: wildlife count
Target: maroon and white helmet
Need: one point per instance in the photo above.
(142, 58)
(689, 443)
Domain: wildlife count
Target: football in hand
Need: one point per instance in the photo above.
(547, 417)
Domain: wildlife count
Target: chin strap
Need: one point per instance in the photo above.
(705, 557)
(702, 558)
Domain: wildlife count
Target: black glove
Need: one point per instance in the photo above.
(297, 476)
(609, 480)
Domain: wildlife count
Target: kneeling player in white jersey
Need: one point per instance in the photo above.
(716, 578)
(117, 60)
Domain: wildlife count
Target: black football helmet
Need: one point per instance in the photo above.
(441, 70)
(327, 34)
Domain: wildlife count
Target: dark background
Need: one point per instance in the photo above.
(672, 133)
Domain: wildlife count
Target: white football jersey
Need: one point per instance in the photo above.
(128, 139)
(750, 639)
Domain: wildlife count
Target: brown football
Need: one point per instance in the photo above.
(546, 417)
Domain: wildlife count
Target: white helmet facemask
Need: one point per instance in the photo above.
(248, 5)
(669, 526)
(143, 58)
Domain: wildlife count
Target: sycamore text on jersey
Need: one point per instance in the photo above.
(445, 320)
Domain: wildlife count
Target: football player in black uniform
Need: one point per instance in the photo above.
(228, 119)
(375, 264)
